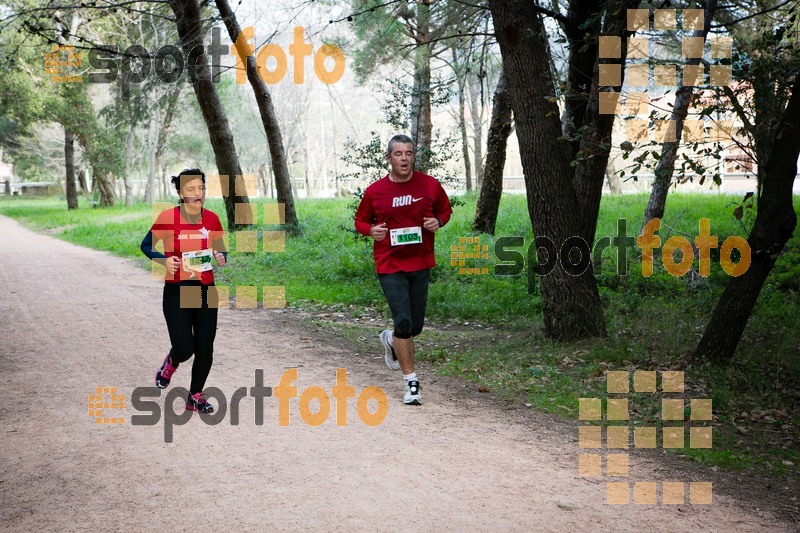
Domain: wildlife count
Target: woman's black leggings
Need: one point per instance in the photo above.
(192, 326)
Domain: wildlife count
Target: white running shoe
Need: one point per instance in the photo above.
(412, 395)
(389, 356)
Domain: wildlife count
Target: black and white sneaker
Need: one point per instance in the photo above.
(389, 356)
(412, 396)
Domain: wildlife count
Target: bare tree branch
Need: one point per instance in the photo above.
(751, 15)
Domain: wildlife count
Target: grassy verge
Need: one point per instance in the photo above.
(487, 328)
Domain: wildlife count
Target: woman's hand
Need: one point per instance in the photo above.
(172, 264)
(220, 257)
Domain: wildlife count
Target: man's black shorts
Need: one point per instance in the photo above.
(407, 295)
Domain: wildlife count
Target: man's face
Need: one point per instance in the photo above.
(401, 159)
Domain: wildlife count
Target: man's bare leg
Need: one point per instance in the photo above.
(404, 349)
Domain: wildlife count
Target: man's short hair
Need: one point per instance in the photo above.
(400, 139)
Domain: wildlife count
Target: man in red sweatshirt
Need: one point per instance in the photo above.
(402, 211)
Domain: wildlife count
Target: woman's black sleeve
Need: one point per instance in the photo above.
(147, 247)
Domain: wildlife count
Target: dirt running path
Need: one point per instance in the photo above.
(72, 319)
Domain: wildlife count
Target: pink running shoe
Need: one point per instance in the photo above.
(197, 402)
(164, 374)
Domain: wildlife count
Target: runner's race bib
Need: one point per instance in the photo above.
(199, 261)
(401, 236)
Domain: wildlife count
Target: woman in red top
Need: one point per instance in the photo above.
(192, 238)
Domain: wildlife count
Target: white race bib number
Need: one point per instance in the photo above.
(402, 236)
(199, 261)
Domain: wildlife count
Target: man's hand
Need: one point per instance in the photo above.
(220, 257)
(378, 231)
(172, 264)
(430, 224)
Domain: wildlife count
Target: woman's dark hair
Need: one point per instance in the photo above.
(188, 172)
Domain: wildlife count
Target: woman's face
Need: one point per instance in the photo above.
(193, 192)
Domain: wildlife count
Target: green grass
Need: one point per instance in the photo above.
(488, 328)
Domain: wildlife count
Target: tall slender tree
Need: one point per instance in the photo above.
(496, 143)
(189, 21)
(669, 149)
(269, 118)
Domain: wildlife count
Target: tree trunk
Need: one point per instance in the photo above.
(105, 186)
(462, 124)
(333, 145)
(262, 179)
(613, 180)
(306, 164)
(595, 139)
(774, 225)
(161, 137)
(69, 162)
(188, 20)
(421, 125)
(496, 142)
(271, 182)
(583, 21)
(476, 111)
(82, 182)
(126, 179)
(269, 117)
(152, 166)
(164, 187)
(101, 181)
(292, 180)
(669, 150)
(570, 303)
